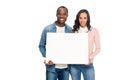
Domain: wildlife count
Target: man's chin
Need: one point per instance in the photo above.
(61, 22)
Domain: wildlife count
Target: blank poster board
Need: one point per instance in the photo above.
(67, 48)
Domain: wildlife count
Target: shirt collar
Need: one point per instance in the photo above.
(83, 30)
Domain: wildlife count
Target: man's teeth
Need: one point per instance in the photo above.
(61, 19)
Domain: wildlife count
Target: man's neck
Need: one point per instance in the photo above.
(60, 24)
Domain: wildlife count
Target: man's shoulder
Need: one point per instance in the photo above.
(69, 27)
(50, 26)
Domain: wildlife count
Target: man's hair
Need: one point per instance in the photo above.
(62, 7)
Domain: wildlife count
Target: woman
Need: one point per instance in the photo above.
(82, 25)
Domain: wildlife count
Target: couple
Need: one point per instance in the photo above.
(82, 25)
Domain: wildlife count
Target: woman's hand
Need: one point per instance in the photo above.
(89, 61)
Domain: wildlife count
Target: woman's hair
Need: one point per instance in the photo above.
(77, 24)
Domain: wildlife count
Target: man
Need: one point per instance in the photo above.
(56, 71)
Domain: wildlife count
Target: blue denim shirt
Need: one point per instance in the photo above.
(42, 44)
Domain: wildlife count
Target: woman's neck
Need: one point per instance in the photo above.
(83, 26)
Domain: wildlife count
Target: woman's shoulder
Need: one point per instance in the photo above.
(93, 29)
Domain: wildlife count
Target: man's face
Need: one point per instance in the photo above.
(62, 15)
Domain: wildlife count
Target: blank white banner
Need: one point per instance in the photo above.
(67, 48)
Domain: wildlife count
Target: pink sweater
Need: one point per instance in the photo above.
(94, 42)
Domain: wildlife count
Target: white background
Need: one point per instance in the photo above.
(21, 24)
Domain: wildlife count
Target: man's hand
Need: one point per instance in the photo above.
(49, 62)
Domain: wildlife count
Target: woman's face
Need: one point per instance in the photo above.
(83, 19)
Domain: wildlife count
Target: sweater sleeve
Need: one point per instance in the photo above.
(97, 43)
